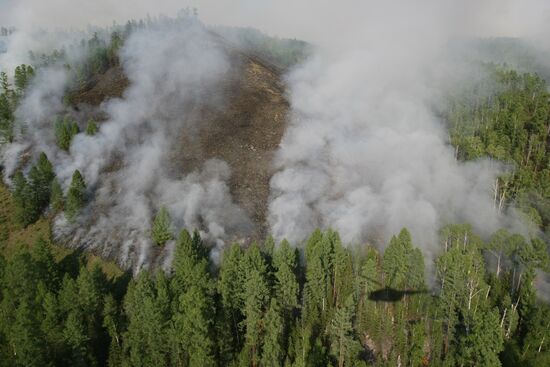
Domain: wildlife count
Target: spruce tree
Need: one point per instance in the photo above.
(91, 128)
(193, 289)
(40, 181)
(65, 130)
(344, 347)
(76, 196)
(272, 351)
(45, 263)
(285, 262)
(23, 74)
(56, 196)
(160, 231)
(256, 298)
(25, 199)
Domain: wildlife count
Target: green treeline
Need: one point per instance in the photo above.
(9, 97)
(275, 305)
(510, 123)
(40, 189)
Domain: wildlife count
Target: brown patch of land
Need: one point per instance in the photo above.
(244, 132)
(243, 127)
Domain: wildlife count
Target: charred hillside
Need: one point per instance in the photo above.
(242, 127)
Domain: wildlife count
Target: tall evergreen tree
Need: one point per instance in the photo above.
(56, 196)
(91, 128)
(273, 346)
(76, 196)
(65, 130)
(285, 261)
(160, 231)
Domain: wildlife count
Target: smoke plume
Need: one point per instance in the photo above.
(364, 151)
(173, 70)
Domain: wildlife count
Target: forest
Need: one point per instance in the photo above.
(480, 301)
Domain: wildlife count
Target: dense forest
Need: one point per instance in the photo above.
(272, 305)
(324, 303)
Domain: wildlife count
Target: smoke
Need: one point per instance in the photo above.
(173, 71)
(365, 152)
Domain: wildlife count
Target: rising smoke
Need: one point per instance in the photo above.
(364, 151)
(172, 69)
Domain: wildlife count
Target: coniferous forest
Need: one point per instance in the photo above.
(479, 301)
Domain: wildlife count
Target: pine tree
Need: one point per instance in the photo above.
(76, 196)
(91, 128)
(287, 288)
(77, 340)
(23, 74)
(319, 253)
(40, 181)
(45, 264)
(112, 323)
(6, 118)
(192, 322)
(56, 196)
(256, 296)
(395, 262)
(272, 351)
(146, 339)
(25, 199)
(481, 343)
(4, 83)
(160, 231)
(231, 290)
(285, 262)
(65, 130)
(27, 344)
(344, 347)
(193, 307)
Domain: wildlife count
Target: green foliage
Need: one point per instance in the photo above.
(287, 289)
(91, 128)
(6, 118)
(254, 313)
(56, 196)
(65, 130)
(76, 196)
(23, 75)
(9, 99)
(26, 210)
(510, 125)
(344, 346)
(32, 195)
(272, 351)
(160, 230)
(282, 52)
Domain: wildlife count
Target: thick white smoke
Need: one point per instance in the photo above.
(173, 71)
(365, 152)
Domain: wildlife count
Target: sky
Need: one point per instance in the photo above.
(316, 21)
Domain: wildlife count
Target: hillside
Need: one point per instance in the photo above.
(243, 130)
(15, 239)
(178, 194)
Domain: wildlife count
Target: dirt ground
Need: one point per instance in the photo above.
(244, 130)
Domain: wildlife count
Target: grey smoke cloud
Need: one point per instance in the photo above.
(365, 152)
(305, 19)
(173, 70)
